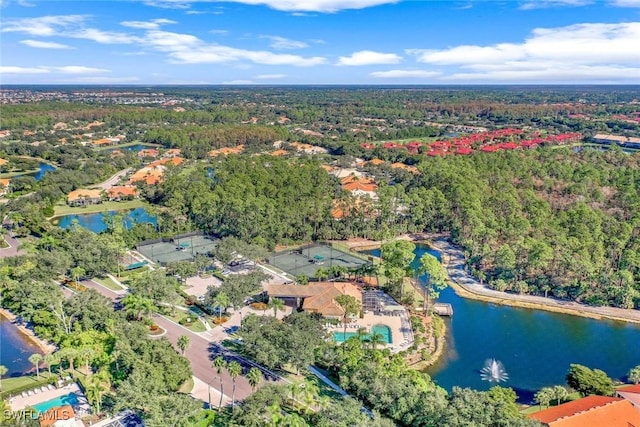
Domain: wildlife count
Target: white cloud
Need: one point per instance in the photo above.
(325, 6)
(45, 45)
(278, 42)
(104, 37)
(42, 26)
(576, 53)
(188, 49)
(626, 3)
(147, 25)
(543, 4)
(270, 76)
(221, 32)
(401, 74)
(169, 4)
(238, 82)
(22, 70)
(79, 69)
(368, 57)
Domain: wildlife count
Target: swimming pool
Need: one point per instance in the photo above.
(383, 330)
(67, 399)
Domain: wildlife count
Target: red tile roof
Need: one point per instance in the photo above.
(590, 411)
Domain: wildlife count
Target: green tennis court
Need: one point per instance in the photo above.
(308, 259)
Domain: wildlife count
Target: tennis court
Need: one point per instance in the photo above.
(179, 248)
(308, 259)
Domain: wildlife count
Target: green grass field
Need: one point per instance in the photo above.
(107, 282)
(63, 209)
(25, 382)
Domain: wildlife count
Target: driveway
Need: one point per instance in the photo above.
(13, 249)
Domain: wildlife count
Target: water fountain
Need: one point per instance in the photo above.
(493, 371)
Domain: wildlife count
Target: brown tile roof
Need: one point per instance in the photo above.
(172, 152)
(150, 175)
(84, 193)
(226, 151)
(175, 161)
(3, 162)
(327, 168)
(630, 389)
(122, 191)
(590, 411)
(319, 297)
(361, 186)
(375, 162)
(399, 165)
(5, 182)
(279, 153)
(57, 413)
(148, 152)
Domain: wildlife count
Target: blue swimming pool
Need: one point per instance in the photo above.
(67, 399)
(383, 330)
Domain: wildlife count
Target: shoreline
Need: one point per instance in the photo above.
(27, 333)
(437, 353)
(473, 289)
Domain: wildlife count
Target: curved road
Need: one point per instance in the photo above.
(200, 353)
(454, 262)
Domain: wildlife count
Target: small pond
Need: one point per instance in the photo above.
(96, 221)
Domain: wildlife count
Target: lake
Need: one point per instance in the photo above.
(135, 147)
(96, 221)
(535, 346)
(16, 349)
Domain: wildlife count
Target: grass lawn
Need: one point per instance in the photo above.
(60, 210)
(196, 326)
(16, 173)
(25, 381)
(323, 389)
(186, 387)
(107, 282)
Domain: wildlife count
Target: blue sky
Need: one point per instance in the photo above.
(320, 42)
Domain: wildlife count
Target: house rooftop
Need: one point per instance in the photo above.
(591, 411)
(84, 193)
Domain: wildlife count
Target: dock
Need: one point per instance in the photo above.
(443, 309)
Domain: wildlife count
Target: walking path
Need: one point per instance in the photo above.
(468, 286)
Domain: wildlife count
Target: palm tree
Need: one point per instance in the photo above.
(277, 304)
(634, 375)
(70, 355)
(220, 364)
(78, 272)
(350, 306)
(35, 359)
(51, 359)
(183, 343)
(235, 370)
(376, 339)
(254, 376)
(222, 302)
(362, 335)
(136, 306)
(560, 393)
(87, 354)
(3, 371)
(544, 396)
(96, 389)
(321, 274)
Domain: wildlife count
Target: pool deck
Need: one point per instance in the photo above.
(18, 402)
(395, 323)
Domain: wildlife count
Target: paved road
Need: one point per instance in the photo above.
(200, 352)
(105, 185)
(14, 244)
(454, 262)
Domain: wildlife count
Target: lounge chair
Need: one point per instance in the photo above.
(50, 387)
(30, 393)
(23, 394)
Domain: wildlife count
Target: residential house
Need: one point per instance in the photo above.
(150, 175)
(84, 197)
(360, 186)
(58, 416)
(148, 152)
(123, 192)
(225, 151)
(630, 393)
(4, 185)
(590, 411)
(317, 297)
